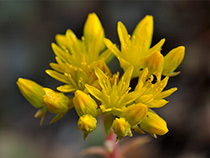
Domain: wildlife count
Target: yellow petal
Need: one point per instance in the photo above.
(59, 52)
(155, 62)
(144, 31)
(157, 103)
(125, 80)
(58, 76)
(122, 33)
(66, 88)
(61, 40)
(94, 30)
(165, 93)
(156, 47)
(172, 60)
(112, 47)
(142, 79)
(94, 91)
(74, 44)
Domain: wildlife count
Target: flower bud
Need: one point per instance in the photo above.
(154, 124)
(135, 113)
(32, 91)
(87, 124)
(84, 104)
(55, 102)
(121, 128)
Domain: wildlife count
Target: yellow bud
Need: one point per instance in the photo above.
(121, 128)
(87, 124)
(172, 60)
(84, 104)
(154, 124)
(55, 102)
(135, 113)
(32, 91)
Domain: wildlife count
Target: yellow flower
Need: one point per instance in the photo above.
(114, 95)
(32, 91)
(87, 124)
(154, 124)
(84, 104)
(81, 64)
(152, 94)
(121, 128)
(136, 51)
(77, 58)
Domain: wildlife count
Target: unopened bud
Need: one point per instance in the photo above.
(32, 91)
(87, 124)
(84, 104)
(121, 128)
(55, 102)
(134, 114)
(154, 124)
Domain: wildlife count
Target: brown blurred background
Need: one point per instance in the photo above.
(26, 32)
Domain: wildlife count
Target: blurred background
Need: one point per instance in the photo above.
(27, 30)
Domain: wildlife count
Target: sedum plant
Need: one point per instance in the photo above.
(81, 67)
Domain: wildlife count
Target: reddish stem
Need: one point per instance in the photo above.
(112, 141)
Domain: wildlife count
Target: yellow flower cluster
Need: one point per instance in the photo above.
(81, 64)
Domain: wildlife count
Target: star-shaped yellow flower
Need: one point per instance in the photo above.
(77, 58)
(135, 49)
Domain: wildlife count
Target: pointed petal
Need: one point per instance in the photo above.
(157, 103)
(59, 52)
(142, 79)
(125, 80)
(156, 47)
(74, 44)
(94, 91)
(61, 40)
(173, 59)
(58, 76)
(57, 117)
(112, 47)
(155, 62)
(166, 93)
(144, 31)
(93, 30)
(122, 33)
(66, 88)
(129, 98)
(103, 80)
(107, 56)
